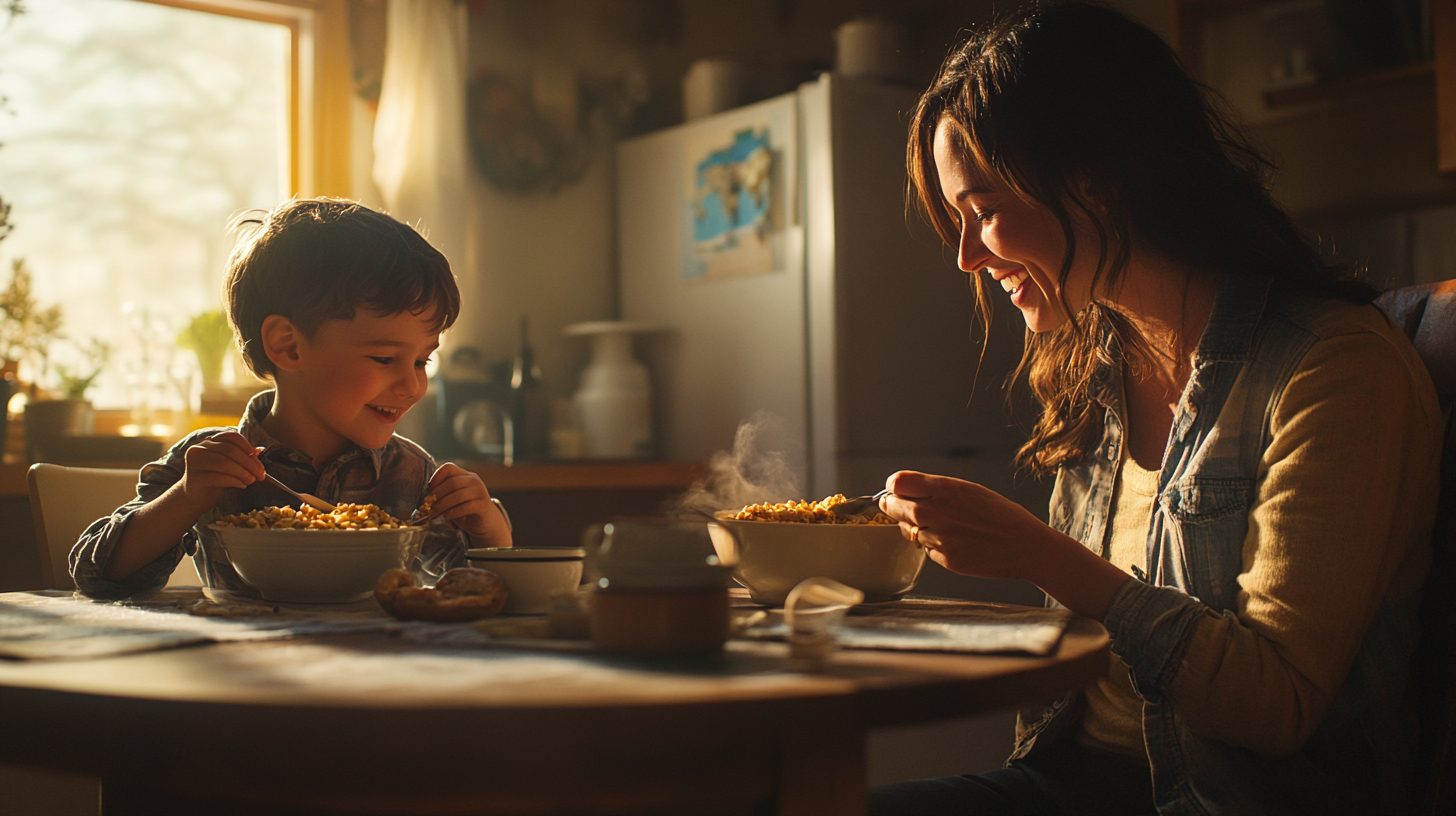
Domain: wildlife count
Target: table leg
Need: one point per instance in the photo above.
(822, 761)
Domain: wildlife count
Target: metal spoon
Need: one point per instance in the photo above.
(417, 520)
(307, 498)
(860, 506)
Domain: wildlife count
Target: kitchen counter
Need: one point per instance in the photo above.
(552, 503)
(589, 475)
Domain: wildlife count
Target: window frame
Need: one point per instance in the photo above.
(319, 87)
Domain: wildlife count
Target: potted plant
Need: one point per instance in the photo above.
(26, 329)
(26, 332)
(72, 414)
(209, 336)
(75, 383)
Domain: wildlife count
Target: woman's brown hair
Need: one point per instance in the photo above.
(1088, 113)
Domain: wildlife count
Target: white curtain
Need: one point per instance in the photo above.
(420, 154)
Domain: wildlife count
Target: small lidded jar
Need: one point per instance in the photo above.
(659, 588)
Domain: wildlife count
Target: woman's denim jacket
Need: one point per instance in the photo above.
(1194, 556)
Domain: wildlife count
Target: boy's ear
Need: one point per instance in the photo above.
(280, 342)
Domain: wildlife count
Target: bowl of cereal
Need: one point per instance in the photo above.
(773, 547)
(306, 556)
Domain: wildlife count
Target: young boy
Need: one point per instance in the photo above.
(340, 307)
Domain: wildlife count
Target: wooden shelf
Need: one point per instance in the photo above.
(1323, 134)
(1414, 73)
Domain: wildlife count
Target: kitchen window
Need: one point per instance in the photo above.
(131, 131)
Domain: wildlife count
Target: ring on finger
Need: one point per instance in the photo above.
(915, 533)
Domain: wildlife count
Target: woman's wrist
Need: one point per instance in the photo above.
(1074, 576)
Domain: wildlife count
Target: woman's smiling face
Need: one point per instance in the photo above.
(1019, 243)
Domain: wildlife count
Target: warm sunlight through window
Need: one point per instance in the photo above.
(131, 132)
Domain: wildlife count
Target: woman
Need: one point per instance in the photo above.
(1245, 450)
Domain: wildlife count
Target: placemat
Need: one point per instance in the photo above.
(54, 625)
(911, 624)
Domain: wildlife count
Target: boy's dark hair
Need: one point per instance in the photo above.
(320, 259)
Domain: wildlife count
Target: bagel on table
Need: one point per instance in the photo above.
(462, 594)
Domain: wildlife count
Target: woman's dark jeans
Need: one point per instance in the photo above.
(1063, 780)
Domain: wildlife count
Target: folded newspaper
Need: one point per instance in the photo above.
(936, 625)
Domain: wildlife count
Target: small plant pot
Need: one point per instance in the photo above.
(49, 420)
(7, 390)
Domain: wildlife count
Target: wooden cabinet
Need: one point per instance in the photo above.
(1380, 138)
(551, 504)
(1443, 32)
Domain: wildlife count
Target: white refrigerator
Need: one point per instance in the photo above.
(813, 298)
(858, 340)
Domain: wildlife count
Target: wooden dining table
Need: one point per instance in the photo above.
(381, 722)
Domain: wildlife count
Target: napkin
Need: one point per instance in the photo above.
(935, 625)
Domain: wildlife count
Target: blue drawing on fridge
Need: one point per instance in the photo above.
(732, 199)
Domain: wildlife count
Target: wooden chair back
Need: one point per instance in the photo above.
(1427, 314)
(63, 503)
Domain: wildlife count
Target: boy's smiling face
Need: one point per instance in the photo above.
(351, 382)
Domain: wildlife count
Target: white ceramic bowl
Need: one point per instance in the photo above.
(317, 566)
(770, 557)
(531, 574)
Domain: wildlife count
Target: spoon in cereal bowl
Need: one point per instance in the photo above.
(426, 512)
(422, 514)
(860, 506)
(307, 498)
